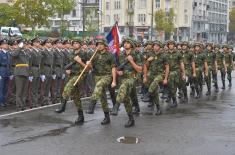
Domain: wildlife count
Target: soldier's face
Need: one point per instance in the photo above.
(184, 47)
(209, 48)
(76, 46)
(36, 44)
(230, 50)
(100, 47)
(149, 47)
(127, 45)
(48, 45)
(156, 47)
(171, 46)
(197, 48)
(179, 47)
(4, 46)
(216, 49)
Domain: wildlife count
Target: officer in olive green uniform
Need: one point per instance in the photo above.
(36, 59)
(156, 71)
(177, 71)
(104, 70)
(130, 66)
(47, 70)
(21, 73)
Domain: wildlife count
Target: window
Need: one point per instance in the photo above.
(74, 13)
(142, 4)
(116, 17)
(186, 19)
(107, 19)
(158, 3)
(107, 5)
(117, 5)
(141, 18)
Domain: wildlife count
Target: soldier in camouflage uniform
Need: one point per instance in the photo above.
(156, 71)
(177, 71)
(212, 68)
(221, 65)
(189, 64)
(77, 60)
(104, 70)
(201, 67)
(228, 56)
(130, 66)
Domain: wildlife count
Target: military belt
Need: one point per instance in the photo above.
(22, 65)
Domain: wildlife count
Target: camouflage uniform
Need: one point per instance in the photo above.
(220, 63)
(229, 64)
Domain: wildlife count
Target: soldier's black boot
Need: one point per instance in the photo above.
(115, 109)
(174, 102)
(230, 83)
(158, 110)
(130, 122)
(146, 97)
(62, 107)
(223, 82)
(208, 92)
(106, 119)
(136, 108)
(80, 119)
(91, 107)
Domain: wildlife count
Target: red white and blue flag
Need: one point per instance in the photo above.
(114, 40)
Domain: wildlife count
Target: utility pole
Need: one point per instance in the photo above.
(152, 22)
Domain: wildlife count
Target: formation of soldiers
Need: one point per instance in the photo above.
(44, 72)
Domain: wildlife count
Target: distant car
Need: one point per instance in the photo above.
(10, 31)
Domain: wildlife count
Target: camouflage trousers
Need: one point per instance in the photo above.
(173, 83)
(222, 73)
(229, 73)
(198, 80)
(101, 85)
(208, 78)
(183, 83)
(73, 92)
(124, 93)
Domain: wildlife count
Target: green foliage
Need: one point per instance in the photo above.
(232, 21)
(91, 25)
(164, 21)
(7, 15)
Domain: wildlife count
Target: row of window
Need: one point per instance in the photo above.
(142, 4)
(116, 17)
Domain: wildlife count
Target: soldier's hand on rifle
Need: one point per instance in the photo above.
(165, 82)
(113, 84)
(145, 80)
(119, 73)
(68, 72)
(150, 59)
(130, 58)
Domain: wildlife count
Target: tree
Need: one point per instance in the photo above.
(164, 21)
(91, 24)
(62, 7)
(232, 21)
(7, 15)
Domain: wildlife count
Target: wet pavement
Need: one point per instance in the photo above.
(202, 127)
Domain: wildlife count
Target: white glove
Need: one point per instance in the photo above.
(0, 77)
(31, 78)
(11, 77)
(54, 77)
(21, 44)
(43, 78)
(63, 76)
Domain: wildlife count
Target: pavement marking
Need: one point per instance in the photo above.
(38, 108)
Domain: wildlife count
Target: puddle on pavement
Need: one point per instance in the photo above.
(53, 132)
(128, 140)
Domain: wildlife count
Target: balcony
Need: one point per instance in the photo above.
(130, 11)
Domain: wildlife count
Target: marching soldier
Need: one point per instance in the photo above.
(104, 70)
(176, 67)
(229, 64)
(156, 71)
(130, 66)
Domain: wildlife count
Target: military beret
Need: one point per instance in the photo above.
(57, 41)
(35, 40)
(103, 41)
(46, 41)
(66, 42)
(4, 41)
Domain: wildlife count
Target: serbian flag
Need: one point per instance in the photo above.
(114, 40)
